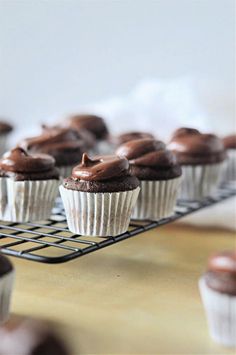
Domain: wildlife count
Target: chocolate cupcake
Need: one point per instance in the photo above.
(160, 177)
(25, 336)
(218, 292)
(130, 136)
(6, 284)
(5, 130)
(99, 196)
(65, 145)
(97, 127)
(201, 157)
(230, 146)
(28, 186)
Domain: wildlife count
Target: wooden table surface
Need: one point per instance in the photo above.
(136, 297)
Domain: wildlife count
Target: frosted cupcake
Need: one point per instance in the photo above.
(97, 127)
(28, 186)
(5, 130)
(160, 177)
(218, 292)
(230, 146)
(130, 136)
(99, 196)
(201, 157)
(6, 284)
(65, 145)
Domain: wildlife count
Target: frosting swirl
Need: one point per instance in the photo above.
(100, 168)
(221, 274)
(65, 145)
(230, 141)
(193, 147)
(19, 161)
(92, 123)
(149, 159)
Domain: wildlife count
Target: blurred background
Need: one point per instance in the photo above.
(138, 62)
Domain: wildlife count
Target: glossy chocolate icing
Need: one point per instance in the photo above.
(24, 166)
(221, 274)
(5, 127)
(230, 141)
(129, 136)
(5, 265)
(92, 123)
(192, 147)
(102, 174)
(149, 159)
(65, 145)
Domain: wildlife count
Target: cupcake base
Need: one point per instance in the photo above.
(221, 314)
(25, 201)
(98, 214)
(6, 285)
(200, 181)
(157, 199)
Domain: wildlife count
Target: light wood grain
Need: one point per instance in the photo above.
(136, 297)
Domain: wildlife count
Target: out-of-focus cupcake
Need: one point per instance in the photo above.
(130, 136)
(97, 127)
(201, 157)
(218, 292)
(6, 284)
(99, 196)
(65, 145)
(28, 186)
(26, 336)
(5, 130)
(160, 177)
(230, 146)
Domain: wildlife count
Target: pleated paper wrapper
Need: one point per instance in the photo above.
(221, 314)
(230, 170)
(6, 285)
(157, 199)
(98, 214)
(24, 201)
(200, 181)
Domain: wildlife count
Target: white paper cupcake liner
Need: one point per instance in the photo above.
(221, 314)
(6, 285)
(156, 199)
(3, 143)
(24, 201)
(230, 170)
(98, 214)
(200, 181)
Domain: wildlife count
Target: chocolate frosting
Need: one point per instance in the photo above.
(149, 159)
(25, 166)
(192, 147)
(102, 174)
(65, 145)
(100, 168)
(221, 274)
(5, 265)
(230, 141)
(5, 127)
(129, 136)
(92, 123)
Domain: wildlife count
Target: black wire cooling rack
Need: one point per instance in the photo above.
(51, 242)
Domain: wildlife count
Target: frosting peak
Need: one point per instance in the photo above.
(100, 168)
(19, 161)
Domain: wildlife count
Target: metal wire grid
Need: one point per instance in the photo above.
(51, 242)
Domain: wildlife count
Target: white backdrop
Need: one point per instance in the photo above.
(56, 55)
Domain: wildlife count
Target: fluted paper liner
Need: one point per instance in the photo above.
(6, 285)
(98, 214)
(221, 314)
(24, 201)
(200, 181)
(156, 199)
(230, 170)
